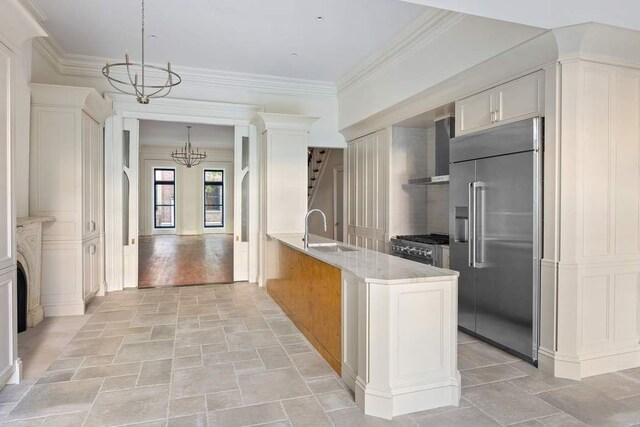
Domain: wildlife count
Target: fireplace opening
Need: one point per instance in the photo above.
(22, 299)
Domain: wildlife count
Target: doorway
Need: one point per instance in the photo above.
(185, 214)
(326, 191)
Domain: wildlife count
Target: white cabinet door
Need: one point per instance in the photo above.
(368, 188)
(519, 99)
(87, 276)
(86, 174)
(516, 100)
(96, 177)
(91, 176)
(90, 268)
(95, 267)
(474, 113)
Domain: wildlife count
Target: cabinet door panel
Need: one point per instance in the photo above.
(95, 268)
(352, 185)
(473, 113)
(86, 174)
(87, 274)
(520, 98)
(96, 172)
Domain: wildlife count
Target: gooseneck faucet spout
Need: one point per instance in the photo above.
(306, 226)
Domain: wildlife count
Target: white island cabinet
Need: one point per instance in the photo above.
(398, 324)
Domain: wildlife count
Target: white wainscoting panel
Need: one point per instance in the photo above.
(418, 307)
(595, 309)
(626, 291)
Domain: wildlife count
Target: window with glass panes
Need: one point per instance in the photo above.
(164, 197)
(213, 198)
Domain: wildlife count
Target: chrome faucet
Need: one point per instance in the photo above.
(306, 226)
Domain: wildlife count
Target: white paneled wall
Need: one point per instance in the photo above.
(17, 28)
(598, 325)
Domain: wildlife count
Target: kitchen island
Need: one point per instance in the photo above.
(387, 325)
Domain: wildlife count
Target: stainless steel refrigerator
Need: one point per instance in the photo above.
(495, 226)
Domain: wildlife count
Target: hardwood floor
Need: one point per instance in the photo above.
(169, 260)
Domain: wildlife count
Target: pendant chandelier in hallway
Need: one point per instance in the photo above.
(187, 156)
(142, 80)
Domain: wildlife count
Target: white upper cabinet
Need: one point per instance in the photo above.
(516, 100)
(474, 113)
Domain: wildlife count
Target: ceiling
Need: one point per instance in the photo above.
(251, 36)
(548, 13)
(173, 134)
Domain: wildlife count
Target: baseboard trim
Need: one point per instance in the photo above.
(578, 367)
(385, 404)
(75, 309)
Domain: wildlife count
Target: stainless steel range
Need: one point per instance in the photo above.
(424, 248)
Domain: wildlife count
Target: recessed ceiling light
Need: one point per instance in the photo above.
(319, 18)
(294, 54)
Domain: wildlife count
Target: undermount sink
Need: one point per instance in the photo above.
(330, 247)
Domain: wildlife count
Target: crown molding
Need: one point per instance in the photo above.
(86, 98)
(68, 64)
(185, 110)
(272, 121)
(18, 23)
(414, 36)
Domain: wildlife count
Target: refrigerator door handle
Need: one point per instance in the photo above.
(472, 225)
(478, 237)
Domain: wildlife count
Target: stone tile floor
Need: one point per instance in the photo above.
(226, 355)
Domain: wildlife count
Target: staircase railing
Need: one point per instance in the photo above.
(316, 164)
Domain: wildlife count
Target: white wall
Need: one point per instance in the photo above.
(323, 198)
(22, 128)
(189, 191)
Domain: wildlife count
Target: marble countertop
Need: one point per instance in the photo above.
(372, 266)
(26, 220)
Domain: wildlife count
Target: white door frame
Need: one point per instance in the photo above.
(174, 110)
(130, 251)
(240, 248)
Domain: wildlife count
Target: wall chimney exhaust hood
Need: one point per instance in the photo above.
(445, 129)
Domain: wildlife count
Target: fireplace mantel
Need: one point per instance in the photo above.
(29, 255)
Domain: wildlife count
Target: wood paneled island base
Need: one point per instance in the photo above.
(309, 292)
